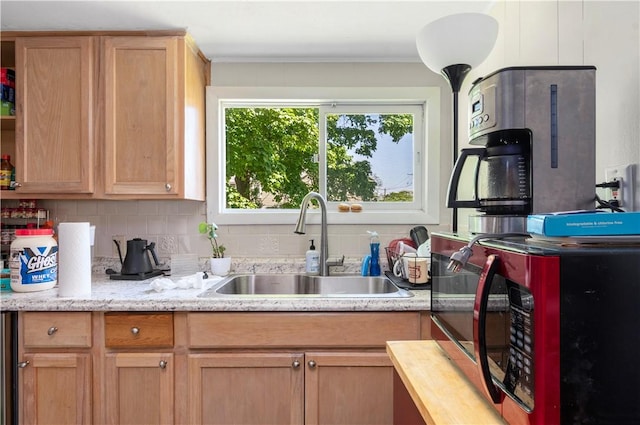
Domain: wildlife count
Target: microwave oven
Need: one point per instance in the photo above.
(547, 333)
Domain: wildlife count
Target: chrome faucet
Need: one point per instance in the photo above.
(324, 243)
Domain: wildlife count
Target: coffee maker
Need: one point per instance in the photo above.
(534, 128)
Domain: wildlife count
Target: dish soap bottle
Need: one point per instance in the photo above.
(374, 269)
(312, 260)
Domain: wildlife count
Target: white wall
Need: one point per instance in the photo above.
(600, 33)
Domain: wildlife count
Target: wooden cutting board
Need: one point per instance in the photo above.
(441, 393)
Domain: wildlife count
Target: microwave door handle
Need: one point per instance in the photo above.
(454, 181)
(479, 326)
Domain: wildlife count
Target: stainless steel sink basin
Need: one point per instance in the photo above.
(301, 285)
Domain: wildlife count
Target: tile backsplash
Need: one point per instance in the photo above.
(173, 226)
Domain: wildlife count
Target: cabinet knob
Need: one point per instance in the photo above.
(167, 187)
(52, 330)
(16, 185)
(295, 364)
(135, 330)
(24, 364)
(312, 364)
(163, 364)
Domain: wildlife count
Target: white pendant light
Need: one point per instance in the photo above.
(452, 45)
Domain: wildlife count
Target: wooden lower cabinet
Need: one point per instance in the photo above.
(246, 388)
(291, 388)
(337, 358)
(209, 368)
(139, 388)
(55, 364)
(56, 388)
(348, 388)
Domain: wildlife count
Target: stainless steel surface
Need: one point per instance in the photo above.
(301, 285)
(301, 225)
(497, 224)
(563, 158)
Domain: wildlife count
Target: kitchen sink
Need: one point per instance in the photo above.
(301, 285)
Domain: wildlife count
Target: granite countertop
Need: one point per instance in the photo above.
(125, 295)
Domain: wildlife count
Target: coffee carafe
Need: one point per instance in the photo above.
(501, 172)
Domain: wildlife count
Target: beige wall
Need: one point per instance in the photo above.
(600, 33)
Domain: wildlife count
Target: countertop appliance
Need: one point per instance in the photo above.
(534, 132)
(136, 264)
(548, 333)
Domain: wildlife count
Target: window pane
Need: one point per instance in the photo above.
(270, 155)
(370, 157)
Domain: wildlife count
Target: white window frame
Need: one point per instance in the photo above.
(426, 155)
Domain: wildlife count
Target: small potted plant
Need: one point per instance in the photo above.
(220, 265)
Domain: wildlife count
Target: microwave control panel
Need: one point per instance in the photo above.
(519, 377)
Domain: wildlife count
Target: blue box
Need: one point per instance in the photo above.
(7, 93)
(584, 223)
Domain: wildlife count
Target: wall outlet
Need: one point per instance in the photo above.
(626, 195)
(122, 241)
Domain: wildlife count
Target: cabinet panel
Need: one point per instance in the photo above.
(139, 388)
(54, 114)
(142, 149)
(56, 389)
(348, 388)
(124, 330)
(246, 388)
(66, 329)
(301, 329)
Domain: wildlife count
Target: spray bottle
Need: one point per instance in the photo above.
(374, 269)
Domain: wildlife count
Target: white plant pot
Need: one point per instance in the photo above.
(220, 266)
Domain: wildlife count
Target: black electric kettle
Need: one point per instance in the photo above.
(137, 259)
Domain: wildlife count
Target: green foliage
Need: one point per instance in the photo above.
(403, 196)
(209, 229)
(271, 150)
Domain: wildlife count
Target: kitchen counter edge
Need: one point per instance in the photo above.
(123, 295)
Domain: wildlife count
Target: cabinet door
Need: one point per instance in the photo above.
(246, 388)
(55, 388)
(142, 143)
(348, 388)
(139, 388)
(54, 114)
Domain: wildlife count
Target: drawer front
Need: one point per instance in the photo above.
(252, 330)
(56, 330)
(130, 330)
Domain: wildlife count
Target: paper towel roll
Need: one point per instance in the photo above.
(74, 260)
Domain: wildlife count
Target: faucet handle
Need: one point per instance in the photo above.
(339, 262)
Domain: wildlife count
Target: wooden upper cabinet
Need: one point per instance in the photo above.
(55, 114)
(107, 115)
(154, 117)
